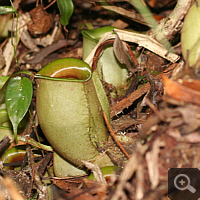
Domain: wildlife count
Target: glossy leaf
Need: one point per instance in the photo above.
(18, 98)
(6, 10)
(66, 8)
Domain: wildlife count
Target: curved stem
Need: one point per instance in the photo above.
(103, 45)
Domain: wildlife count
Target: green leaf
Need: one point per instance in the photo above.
(18, 98)
(96, 34)
(145, 12)
(6, 10)
(66, 8)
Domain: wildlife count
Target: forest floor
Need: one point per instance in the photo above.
(156, 119)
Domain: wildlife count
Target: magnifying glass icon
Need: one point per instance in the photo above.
(182, 181)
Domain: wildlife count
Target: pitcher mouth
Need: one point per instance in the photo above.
(68, 74)
(66, 69)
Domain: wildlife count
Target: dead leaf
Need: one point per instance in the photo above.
(185, 91)
(12, 188)
(121, 52)
(41, 21)
(28, 41)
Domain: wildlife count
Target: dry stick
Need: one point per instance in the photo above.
(3, 143)
(39, 57)
(155, 110)
(126, 102)
(114, 136)
(42, 190)
(37, 3)
(50, 4)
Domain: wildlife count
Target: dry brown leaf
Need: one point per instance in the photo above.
(120, 50)
(185, 91)
(41, 21)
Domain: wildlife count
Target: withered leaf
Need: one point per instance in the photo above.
(121, 53)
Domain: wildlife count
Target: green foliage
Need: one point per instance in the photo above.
(66, 8)
(96, 34)
(145, 12)
(18, 98)
(6, 10)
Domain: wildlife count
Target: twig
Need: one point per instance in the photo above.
(96, 172)
(46, 51)
(126, 102)
(114, 136)
(50, 4)
(44, 163)
(155, 110)
(3, 143)
(42, 190)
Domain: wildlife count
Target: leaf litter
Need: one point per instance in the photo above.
(158, 133)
